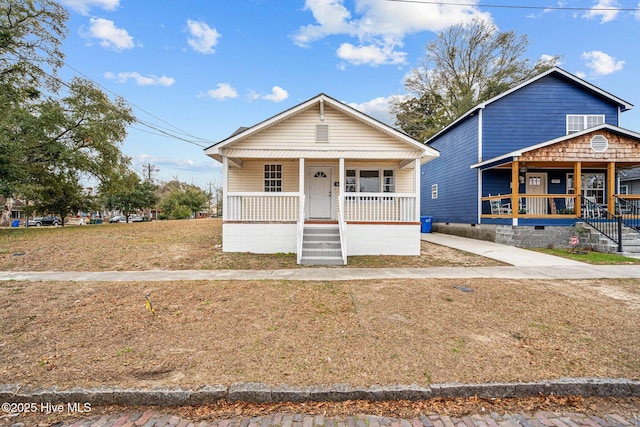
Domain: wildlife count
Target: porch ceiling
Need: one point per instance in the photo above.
(322, 154)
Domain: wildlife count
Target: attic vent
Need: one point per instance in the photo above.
(322, 133)
(599, 143)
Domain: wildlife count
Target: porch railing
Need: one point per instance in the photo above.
(379, 207)
(628, 207)
(342, 228)
(277, 207)
(531, 206)
(300, 230)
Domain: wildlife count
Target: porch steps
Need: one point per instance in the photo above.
(630, 241)
(321, 245)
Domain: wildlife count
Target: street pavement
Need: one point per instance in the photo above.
(153, 418)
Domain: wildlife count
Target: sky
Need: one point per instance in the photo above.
(193, 71)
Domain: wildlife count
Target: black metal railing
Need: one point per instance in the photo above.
(629, 211)
(607, 223)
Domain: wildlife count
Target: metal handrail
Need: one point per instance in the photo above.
(629, 210)
(598, 217)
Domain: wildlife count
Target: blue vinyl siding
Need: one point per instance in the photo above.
(537, 113)
(457, 182)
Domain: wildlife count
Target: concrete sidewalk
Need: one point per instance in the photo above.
(510, 254)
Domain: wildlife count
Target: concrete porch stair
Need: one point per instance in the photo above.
(595, 239)
(321, 245)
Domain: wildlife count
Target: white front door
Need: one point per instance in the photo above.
(536, 184)
(319, 194)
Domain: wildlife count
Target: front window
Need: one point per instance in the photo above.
(272, 178)
(579, 122)
(368, 181)
(592, 186)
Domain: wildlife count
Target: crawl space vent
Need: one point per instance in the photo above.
(599, 143)
(322, 133)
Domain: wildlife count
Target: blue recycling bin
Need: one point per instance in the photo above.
(15, 223)
(425, 224)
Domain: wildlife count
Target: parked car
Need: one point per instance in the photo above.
(118, 218)
(135, 218)
(44, 220)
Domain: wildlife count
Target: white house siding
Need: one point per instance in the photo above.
(251, 177)
(387, 239)
(299, 133)
(259, 238)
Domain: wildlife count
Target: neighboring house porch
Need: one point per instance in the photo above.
(537, 186)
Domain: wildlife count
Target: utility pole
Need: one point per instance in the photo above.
(149, 169)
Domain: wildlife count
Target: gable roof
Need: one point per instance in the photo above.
(506, 158)
(322, 99)
(624, 105)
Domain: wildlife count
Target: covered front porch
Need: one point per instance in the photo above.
(372, 204)
(560, 181)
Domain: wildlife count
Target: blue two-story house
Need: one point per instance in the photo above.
(507, 168)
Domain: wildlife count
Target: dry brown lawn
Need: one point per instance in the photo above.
(171, 245)
(311, 333)
(283, 332)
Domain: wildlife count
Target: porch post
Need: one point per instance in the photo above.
(611, 187)
(577, 188)
(341, 178)
(416, 188)
(225, 189)
(515, 191)
(301, 186)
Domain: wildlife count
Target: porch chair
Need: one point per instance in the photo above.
(499, 208)
(591, 208)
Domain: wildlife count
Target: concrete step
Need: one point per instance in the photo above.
(321, 244)
(321, 260)
(321, 230)
(326, 253)
(321, 238)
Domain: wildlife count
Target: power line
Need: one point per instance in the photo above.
(604, 9)
(144, 111)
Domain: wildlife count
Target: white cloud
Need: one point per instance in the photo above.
(379, 25)
(109, 35)
(203, 38)
(378, 108)
(83, 7)
(370, 55)
(223, 91)
(601, 63)
(598, 11)
(277, 94)
(149, 80)
(207, 164)
(637, 12)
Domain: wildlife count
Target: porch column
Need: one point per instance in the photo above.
(577, 188)
(341, 178)
(416, 188)
(225, 188)
(515, 191)
(301, 201)
(611, 187)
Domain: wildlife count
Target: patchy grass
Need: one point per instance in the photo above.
(305, 333)
(590, 257)
(172, 245)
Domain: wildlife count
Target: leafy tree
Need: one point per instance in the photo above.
(183, 200)
(128, 194)
(49, 140)
(467, 64)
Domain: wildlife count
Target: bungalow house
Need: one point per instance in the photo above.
(524, 167)
(324, 181)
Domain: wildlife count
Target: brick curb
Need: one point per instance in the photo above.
(264, 393)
